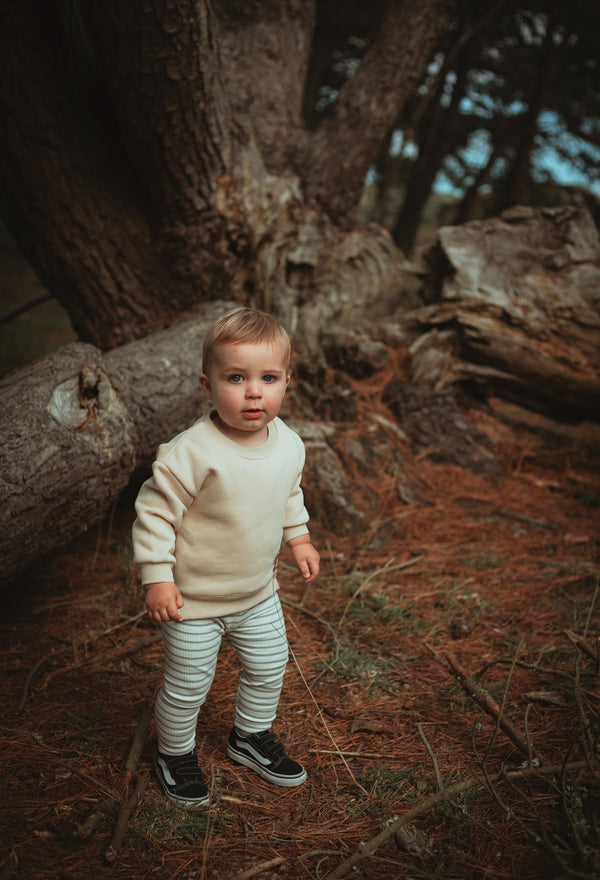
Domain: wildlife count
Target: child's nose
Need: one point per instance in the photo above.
(253, 389)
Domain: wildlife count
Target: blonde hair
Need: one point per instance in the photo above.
(244, 325)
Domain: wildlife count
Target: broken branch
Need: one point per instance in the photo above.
(137, 745)
(258, 869)
(490, 706)
(123, 819)
(367, 848)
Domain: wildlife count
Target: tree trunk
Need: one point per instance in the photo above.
(544, 370)
(334, 162)
(439, 133)
(156, 155)
(515, 189)
(92, 424)
(75, 198)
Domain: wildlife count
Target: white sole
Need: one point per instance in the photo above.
(264, 773)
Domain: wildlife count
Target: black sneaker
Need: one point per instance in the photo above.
(181, 779)
(264, 753)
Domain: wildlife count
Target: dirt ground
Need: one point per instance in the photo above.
(444, 671)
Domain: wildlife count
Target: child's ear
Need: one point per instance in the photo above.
(205, 385)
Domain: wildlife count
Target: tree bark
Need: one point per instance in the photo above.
(157, 157)
(90, 421)
(72, 196)
(334, 162)
(518, 312)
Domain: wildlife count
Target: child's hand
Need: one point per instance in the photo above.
(306, 557)
(163, 601)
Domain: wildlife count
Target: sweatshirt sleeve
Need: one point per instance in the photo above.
(160, 507)
(296, 514)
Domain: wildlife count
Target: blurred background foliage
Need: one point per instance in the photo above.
(507, 113)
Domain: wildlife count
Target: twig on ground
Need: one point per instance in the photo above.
(367, 848)
(325, 725)
(591, 610)
(84, 641)
(31, 676)
(583, 645)
(500, 715)
(123, 818)
(331, 557)
(133, 758)
(110, 655)
(491, 707)
(258, 869)
(306, 611)
(584, 724)
(377, 755)
(434, 761)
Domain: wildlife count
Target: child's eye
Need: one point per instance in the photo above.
(269, 378)
(236, 378)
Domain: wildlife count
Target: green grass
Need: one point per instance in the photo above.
(348, 662)
(572, 604)
(165, 822)
(378, 607)
(481, 561)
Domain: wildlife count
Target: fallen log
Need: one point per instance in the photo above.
(77, 424)
(544, 369)
(91, 425)
(517, 312)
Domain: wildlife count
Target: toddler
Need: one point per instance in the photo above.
(210, 523)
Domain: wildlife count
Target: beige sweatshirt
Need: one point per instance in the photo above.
(213, 515)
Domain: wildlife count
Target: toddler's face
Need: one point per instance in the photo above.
(247, 384)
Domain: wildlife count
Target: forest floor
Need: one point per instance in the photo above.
(444, 671)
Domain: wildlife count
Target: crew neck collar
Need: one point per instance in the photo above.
(255, 452)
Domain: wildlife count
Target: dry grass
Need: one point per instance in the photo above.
(498, 576)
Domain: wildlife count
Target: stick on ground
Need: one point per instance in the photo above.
(137, 745)
(123, 818)
(490, 706)
(258, 869)
(368, 847)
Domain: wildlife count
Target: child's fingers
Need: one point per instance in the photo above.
(169, 612)
(173, 609)
(309, 570)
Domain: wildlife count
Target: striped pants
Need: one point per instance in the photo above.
(191, 649)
